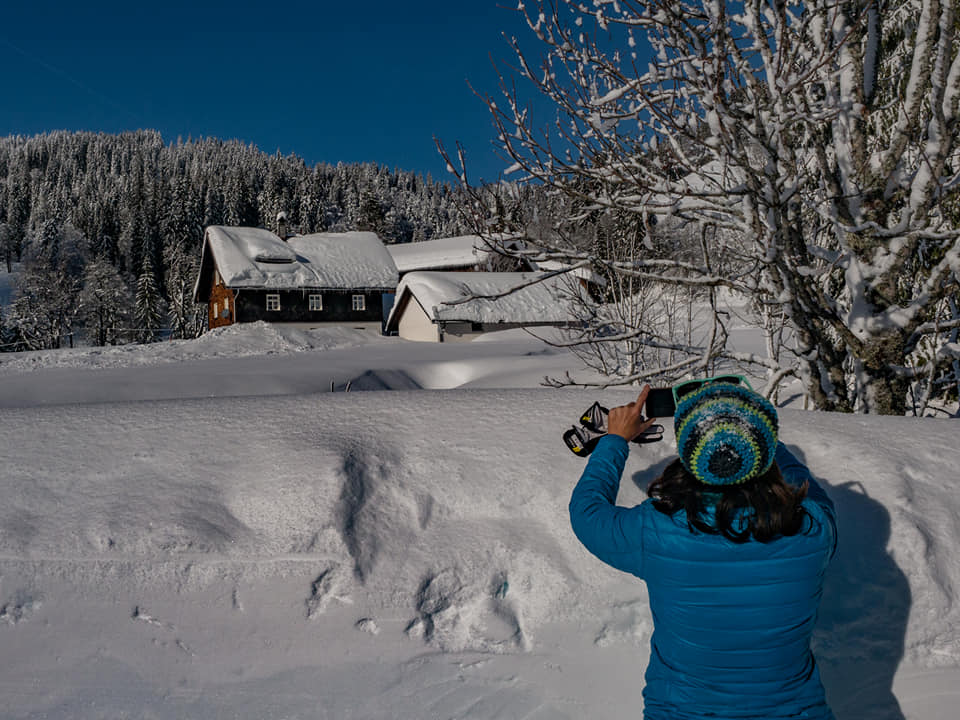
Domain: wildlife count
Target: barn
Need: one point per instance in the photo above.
(249, 274)
(434, 306)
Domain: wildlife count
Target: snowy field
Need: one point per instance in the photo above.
(204, 530)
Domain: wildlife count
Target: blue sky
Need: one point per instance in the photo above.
(328, 81)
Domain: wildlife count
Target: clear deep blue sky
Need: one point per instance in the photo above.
(329, 81)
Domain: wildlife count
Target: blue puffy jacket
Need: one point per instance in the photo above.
(732, 622)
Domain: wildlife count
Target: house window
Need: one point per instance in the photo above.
(216, 309)
(316, 302)
(359, 302)
(273, 302)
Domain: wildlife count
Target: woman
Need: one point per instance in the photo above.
(733, 543)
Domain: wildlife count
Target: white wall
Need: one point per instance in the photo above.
(415, 325)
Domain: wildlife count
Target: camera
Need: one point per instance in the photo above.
(660, 403)
(582, 439)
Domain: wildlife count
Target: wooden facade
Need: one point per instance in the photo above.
(221, 309)
(337, 306)
(227, 306)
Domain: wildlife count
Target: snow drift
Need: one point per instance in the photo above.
(408, 554)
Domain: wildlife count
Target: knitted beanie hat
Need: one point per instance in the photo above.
(726, 433)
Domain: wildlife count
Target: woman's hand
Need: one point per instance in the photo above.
(627, 421)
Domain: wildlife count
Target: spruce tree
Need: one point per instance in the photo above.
(148, 310)
(186, 317)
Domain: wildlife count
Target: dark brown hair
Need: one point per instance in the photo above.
(762, 508)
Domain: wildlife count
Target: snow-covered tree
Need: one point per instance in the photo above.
(181, 261)
(42, 308)
(812, 144)
(370, 213)
(186, 318)
(149, 308)
(104, 303)
(6, 246)
(8, 336)
(45, 301)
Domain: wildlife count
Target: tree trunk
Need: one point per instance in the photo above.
(884, 392)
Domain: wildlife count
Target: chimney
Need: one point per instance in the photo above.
(282, 231)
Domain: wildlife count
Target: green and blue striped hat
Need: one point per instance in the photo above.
(726, 433)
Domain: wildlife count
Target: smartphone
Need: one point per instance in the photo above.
(660, 403)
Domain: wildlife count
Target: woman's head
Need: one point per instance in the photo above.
(726, 433)
(726, 478)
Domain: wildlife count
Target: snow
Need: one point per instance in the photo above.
(202, 530)
(230, 342)
(440, 254)
(265, 360)
(253, 257)
(545, 300)
(347, 260)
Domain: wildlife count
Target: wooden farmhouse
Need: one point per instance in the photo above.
(250, 274)
(430, 306)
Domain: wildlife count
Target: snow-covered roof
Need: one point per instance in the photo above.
(440, 254)
(256, 258)
(546, 301)
(581, 273)
(346, 260)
